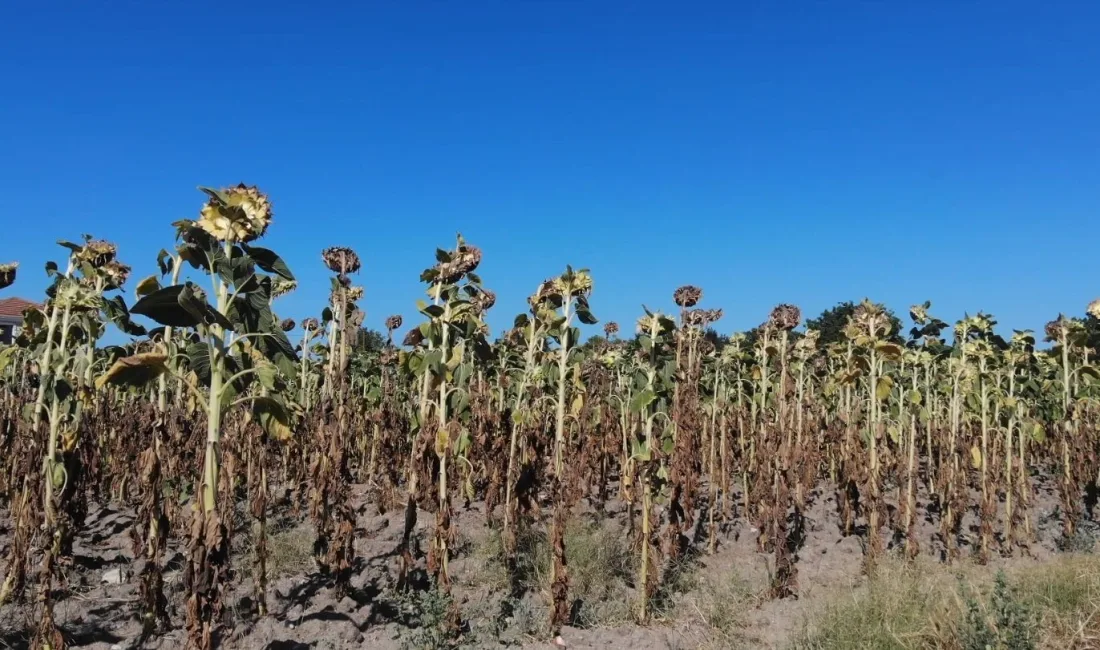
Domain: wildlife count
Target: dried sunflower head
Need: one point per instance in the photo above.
(785, 317)
(484, 300)
(116, 274)
(281, 287)
(287, 324)
(413, 338)
(464, 259)
(7, 274)
(311, 325)
(394, 322)
(610, 329)
(687, 296)
(98, 253)
(695, 318)
(354, 293)
(1094, 308)
(341, 259)
(240, 214)
(1056, 327)
(573, 283)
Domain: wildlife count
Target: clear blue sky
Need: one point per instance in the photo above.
(804, 152)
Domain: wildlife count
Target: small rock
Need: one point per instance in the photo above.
(560, 642)
(113, 577)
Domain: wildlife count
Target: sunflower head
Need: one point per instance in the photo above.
(1056, 327)
(287, 324)
(354, 293)
(241, 213)
(413, 338)
(785, 317)
(484, 300)
(687, 296)
(7, 274)
(394, 322)
(281, 287)
(116, 274)
(455, 265)
(311, 325)
(341, 260)
(610, 329)
(98, 253)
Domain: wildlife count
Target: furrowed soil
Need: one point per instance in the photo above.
(710, 601)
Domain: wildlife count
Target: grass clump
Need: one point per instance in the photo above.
(599, 562)
(290, 552)
(926, 605)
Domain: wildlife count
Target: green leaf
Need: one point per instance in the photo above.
(269, 261)
(164, 307)
(585, 316)
(115, 309)
(642, 400)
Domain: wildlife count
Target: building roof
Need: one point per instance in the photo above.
(13, 307)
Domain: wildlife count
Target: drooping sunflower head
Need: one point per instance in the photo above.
(394, 322)
(7, 274)
(311, 325)
(241, 213)
(687, 296)
(611, 329)
(116, 274)
(98, 253)
(455, 265)
(484, 300)
(281, 287)
(1056, 327)
(341, 260)
(287, 324)
(413, 338)
(785, 317)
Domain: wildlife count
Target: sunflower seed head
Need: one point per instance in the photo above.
(413, 338)
(287, 324)
(7, 274)
(463, 260)
(785, 317)
(98, 253)
(687, 296)
(341, 260)
(394, 322)
(116, 273)
(243, 216)
(311, 325)
(611, 329)
(484, 300)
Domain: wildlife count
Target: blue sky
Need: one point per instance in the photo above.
(803, 152)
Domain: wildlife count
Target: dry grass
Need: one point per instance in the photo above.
(290, 552)
(599, 562)
(924, 605)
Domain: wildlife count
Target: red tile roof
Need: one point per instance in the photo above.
(14, 306)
